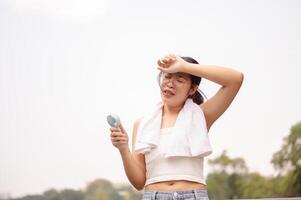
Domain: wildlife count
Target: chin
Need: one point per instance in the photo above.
(171, 102)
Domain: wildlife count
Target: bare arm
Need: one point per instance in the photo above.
(230, 80)
(134, 164)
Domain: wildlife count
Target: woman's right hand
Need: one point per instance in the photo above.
(119, 138)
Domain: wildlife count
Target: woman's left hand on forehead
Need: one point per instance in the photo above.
(170, 63)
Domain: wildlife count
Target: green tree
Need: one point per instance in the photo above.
(218, 187)
(129, 193)
(288, 162)
(227, 176)
(51, 194)
(30, 197)
(254, 185)
(69, 194)
(101, 189)
(230, 179)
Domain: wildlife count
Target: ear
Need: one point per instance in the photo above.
(193, 89)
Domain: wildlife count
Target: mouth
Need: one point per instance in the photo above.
(168, 93)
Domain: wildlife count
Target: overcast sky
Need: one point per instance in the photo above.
(65, 65)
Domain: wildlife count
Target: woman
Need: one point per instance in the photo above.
(165, 162)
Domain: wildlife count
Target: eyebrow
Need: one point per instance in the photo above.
(178, 75)
(182, 76)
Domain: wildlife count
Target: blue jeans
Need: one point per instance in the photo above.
(196, 194)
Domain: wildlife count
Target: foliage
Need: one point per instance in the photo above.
(230, 179)
(288, 162)
(99, 189)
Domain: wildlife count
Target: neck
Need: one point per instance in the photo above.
(169, 115)
(167, 109)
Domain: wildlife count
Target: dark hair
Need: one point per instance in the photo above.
(195, 80)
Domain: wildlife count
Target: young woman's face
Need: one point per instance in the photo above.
(175, 88)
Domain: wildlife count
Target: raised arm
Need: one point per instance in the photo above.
(230, 80)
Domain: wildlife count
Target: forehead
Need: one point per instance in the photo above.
(179, 74)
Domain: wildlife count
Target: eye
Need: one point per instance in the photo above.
(181, 80)
(167, 76)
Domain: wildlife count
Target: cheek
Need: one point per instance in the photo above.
(161, 85)
(185, 91)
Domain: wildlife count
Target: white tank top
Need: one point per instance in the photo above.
(159, 168)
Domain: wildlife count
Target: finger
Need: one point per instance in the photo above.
(166, 60)
(171, 59)
(116, 134)
(122, 129)
(114, 129)
(172, 56)
(161, 63)
(122, 136)
(115, 143)
(119, 139)
(162, 69)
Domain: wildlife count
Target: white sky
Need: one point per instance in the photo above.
(65, 65)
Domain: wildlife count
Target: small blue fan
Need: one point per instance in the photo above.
(113, 120)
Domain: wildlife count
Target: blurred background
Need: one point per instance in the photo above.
(66, 64)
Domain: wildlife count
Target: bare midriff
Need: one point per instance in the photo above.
(175, 185)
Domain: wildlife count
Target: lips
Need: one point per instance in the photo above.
(167, 92)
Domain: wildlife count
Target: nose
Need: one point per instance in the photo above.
(170, 82)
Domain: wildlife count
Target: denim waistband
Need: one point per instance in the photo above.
(177, 194)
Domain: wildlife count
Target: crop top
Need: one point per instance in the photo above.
(159, 168)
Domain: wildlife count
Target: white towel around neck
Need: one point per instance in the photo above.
(190, 134)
